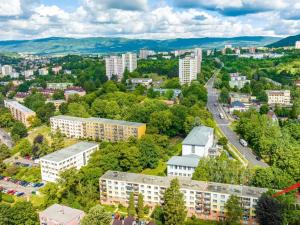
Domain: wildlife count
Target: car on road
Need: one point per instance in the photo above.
(258, 158)
(221, 116)
(11, 192)
(215, 104)
(243, 142)
(19, 193)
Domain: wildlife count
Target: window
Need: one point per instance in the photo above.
(193, 149)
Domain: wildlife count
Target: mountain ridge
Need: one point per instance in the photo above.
(285, 42)
(103, 45)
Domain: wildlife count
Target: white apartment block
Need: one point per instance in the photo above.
(205, 200)
(297, 45)
(129, 61)
(188, 70)
(114, 66)
(43, 71)
(56, 69)
(198, 142)
(19, 111)
(182, 166)
(281, 97)
(198, 55)
(146, 82)
(28, 73)
(6, 70)
(145, 53)
(74, 156)
(236, 80)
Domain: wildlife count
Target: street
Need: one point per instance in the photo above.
(215, 108)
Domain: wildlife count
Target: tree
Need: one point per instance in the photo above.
(174, 206)
(45, 112)
(140, 206)
(24, 147)
(77, 109)
(264, 109)
(234, 211)
(58, 94)
(224, 95)
(96, 216)
(4, 152)
(35, 101)
(131, 207)
(19, 130)
(63, 108)
(222, 141)
(24, 213)
(269, 211)
(57, 141)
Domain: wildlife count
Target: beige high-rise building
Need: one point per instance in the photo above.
(97, 128)
(6, 70)
(129, 61)
(114, 66)
(188, 70)
(19, 112)
(144, 53)
(205, 200)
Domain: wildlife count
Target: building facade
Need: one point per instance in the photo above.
(205, 200)
(198, 142)
(198, 55)
(6, 70)
(43, 71)
(144, 53)
(74, 156)
(297, 45)
(182, 166)
(236, 80)
(97, 128)
(281, 97)
(59, 86)
(19, 111)
(114, 66)
(129, 61)
(60, 214)
(188, 70)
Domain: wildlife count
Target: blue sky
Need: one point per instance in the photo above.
(151, 19)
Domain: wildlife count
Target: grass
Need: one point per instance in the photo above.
(158, 171)
(37, 201)
(30, 174)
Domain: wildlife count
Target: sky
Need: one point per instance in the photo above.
(147, 19)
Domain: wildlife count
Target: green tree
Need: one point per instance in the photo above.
(161, 121)
(131, 207)
(19, 130)
(269, 211)
(4, 152)
(24, 147)
(24, 213)
(57, 141)
(35, 101)
(224, 95)
(264, 109)
(45, 112)
(96, 216)
(77, 109)
(140, 206)
(222, 141)
(58, 94)
(234, 211)
(174, 206)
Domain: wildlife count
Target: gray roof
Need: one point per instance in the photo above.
(70, 151)
(187, 160)
(186, 183)
(100, 120)
(61, 214)
(19, 106)
(198, 136)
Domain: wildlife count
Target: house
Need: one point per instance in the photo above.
(244, 98)
(62, 215)
(237, 106)
(198, 142)
(236, 80)
(281, 97)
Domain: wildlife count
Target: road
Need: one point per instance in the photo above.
(215, 108)
(6, 139)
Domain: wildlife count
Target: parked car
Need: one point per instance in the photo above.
(1, 177)
(19, 193)
(11, 192)
(243, 142)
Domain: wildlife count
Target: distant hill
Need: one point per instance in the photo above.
(285, 42)
(102, 45)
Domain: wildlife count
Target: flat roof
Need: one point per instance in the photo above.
(187, 160)
(186, 183)
(19, 106)
(70, 151)
(61, 214)
(99, 120)
(198, 136)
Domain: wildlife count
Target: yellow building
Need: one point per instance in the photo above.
(97, 128)
(19, 112)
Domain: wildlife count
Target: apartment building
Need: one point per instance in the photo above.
(198, 55)
(205, 200)
(281, 97)
(236, 80)
(146, 82)
(43, 71)
(59, 86)
(56, 69)
(144, 53)
(61, 214)
(97, 128)
(6, 70)
(19, 112)
(114, 66)
(188, 70)
(129, 61)
(198, 142)
(297, 45)
(27, 73)
(182, 166)
(74, 156)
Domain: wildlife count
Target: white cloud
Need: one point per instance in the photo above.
(10, 8)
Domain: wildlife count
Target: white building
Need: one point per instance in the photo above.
(145, 53)
(188, 70)
(182, 166)
(43, 71)
(297, 45)
(129, 61)
(236, 80)
(114, 66)
(205, 200)
(146, 82)
(14, 75)
(74, 156)
(28, 73)
(198, 55)
(198, 142)
(281, 97)
(6, 70)
(56, 69)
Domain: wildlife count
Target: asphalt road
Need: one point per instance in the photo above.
(215, 108)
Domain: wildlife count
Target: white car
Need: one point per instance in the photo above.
(243, 142)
